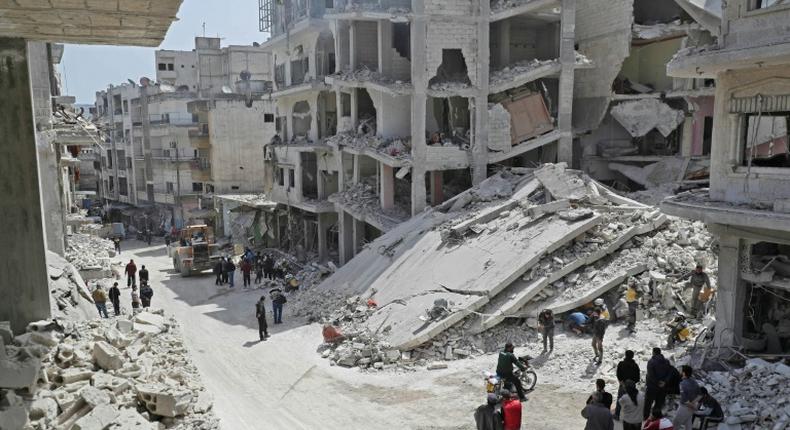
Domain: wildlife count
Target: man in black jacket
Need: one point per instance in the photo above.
(260, 314)
(115, 298)
(143, 274)
(626, 370)
(658, 373)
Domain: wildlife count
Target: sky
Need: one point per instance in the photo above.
(90, 68)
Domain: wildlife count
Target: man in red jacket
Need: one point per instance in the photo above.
(511, 410)
(131, 271)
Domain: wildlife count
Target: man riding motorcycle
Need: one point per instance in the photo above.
(504, 368)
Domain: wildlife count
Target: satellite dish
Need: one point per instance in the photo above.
(166, 88)
(226, 89)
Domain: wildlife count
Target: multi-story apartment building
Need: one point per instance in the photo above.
(162, 152)
(386, 107)
(747, 203)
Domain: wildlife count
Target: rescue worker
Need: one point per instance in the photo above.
(100, 299)
(260, 314)
(600, 307)
(696, 280)
(546, 326)
(115, 298)
(678, 330)
(577, 321)
(632, 299)
(504, 368)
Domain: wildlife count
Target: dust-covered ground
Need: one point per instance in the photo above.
(283, 383)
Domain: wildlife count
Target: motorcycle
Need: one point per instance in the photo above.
(528, 378)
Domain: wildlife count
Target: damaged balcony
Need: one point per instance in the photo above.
(394, 152)
(371, 80)
(369, 9)
(363, 203)
(526, 71)
(697, 204)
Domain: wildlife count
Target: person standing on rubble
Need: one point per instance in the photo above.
(117, 242)
(632, 300)
(599, 325)
(260, 314)
(278, 300)
(627, 370)
(146, 294)
(100, 299)
(504, 368)
(230, 270)
(246, 270)
(696, 280)
(258, 268)
(546, 326)
(115, 298)
(131, 271)
(689, 391)
(143, 275)
(135, 298)
(658, 374)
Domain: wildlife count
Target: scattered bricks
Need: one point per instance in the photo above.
(164, 401)
(347, 361)
(72, 375)
(114, 384)
(448, 353)
(107, 356)
(65, 355)
(378, 365)
(437, 365)
(391, 355)
(462, 352)
(147, 329)
(99, 418)
(64, 398)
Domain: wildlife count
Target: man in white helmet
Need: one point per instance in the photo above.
(600, 307)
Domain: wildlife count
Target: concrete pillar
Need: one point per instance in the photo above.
(687, 137)
(288, 71)
(50, 173)
(480, 143)
(321, 184)
(341, 172)
(357, 173)
(387, 192)
(731, 292)
(334, 25)
(358, 235)
(503, 43)
(314, 118)
(385, 47)
(352, 43)
(323, 227)
(437, 187)
(567, 60)
(23, 266)
(419, 78)
(354, 109)
(345, 237)
(289, 121)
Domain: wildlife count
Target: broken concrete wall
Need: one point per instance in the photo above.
(499, 138)
(603, 34)
(366, 47)
(641, 116)
(451, 35)
(646, 64)
(393, 114)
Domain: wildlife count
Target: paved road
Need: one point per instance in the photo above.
(283, 383)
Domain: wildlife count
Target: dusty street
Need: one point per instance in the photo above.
(283, 383)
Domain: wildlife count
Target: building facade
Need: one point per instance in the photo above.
(747, 203)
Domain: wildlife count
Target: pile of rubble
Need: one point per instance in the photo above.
(126, 373)
(89, 252)
(755, 396)
(361, 200)
(399, 148)
(69, 295)
(364, 74)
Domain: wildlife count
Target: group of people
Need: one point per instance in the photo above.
(263, 265)
(141, 299)
(595, 321)
(644, 410)
(278, 300)
(502, 411)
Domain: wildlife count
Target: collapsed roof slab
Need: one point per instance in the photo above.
(518, 294)
(525, 146)
(468, 273)
(706, 12)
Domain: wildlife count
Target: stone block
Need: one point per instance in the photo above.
(129, 419)
(74, 374)
(164, 401)
(116, 338)
(124, 326)
(116, 385)
(43, 325)
(94, 396)
(437, 365)
(45, 408)
(107, 356)
(99, 418)
(149, 318)
(46, 338)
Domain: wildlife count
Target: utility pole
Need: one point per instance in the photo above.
(174, 144)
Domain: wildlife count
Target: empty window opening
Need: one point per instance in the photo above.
(764, 308)
(291, 178)
(345, 104)
(448, 121)
(280, 176)
(765, 139)
(764, 4)
(302, 120)
(309, 175)
(268, 117)
(161, 66)
(197, 187)
(452, 69)
(366, 112)
(299, 70)
(325, 54)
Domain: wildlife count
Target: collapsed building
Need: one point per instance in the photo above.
(746, 204)
(170, 145)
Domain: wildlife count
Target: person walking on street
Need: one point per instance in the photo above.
(115, 298)
(131, 271)
(117, 243)
(146, 294)
(504, 368)
(135, 298)
(598, 330)
(246, 270)
(260, 314)
(696, 280)
(689, 391)
(658, 374)
(217, 270)
(598, 416)
(230, 270)
(100, 299)
(627, 370)
(632, 300)
(606, 397)
(631, 403)
(268, 267)
(546, 325)
(511, 411)
(143, 275)
(258, 268)
(278, 300)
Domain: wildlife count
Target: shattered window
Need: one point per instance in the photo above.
(765, 140)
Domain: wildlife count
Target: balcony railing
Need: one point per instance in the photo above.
(171, 118)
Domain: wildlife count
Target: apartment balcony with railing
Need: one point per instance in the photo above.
(173, 118)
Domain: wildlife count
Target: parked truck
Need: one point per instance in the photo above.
(193, 250)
